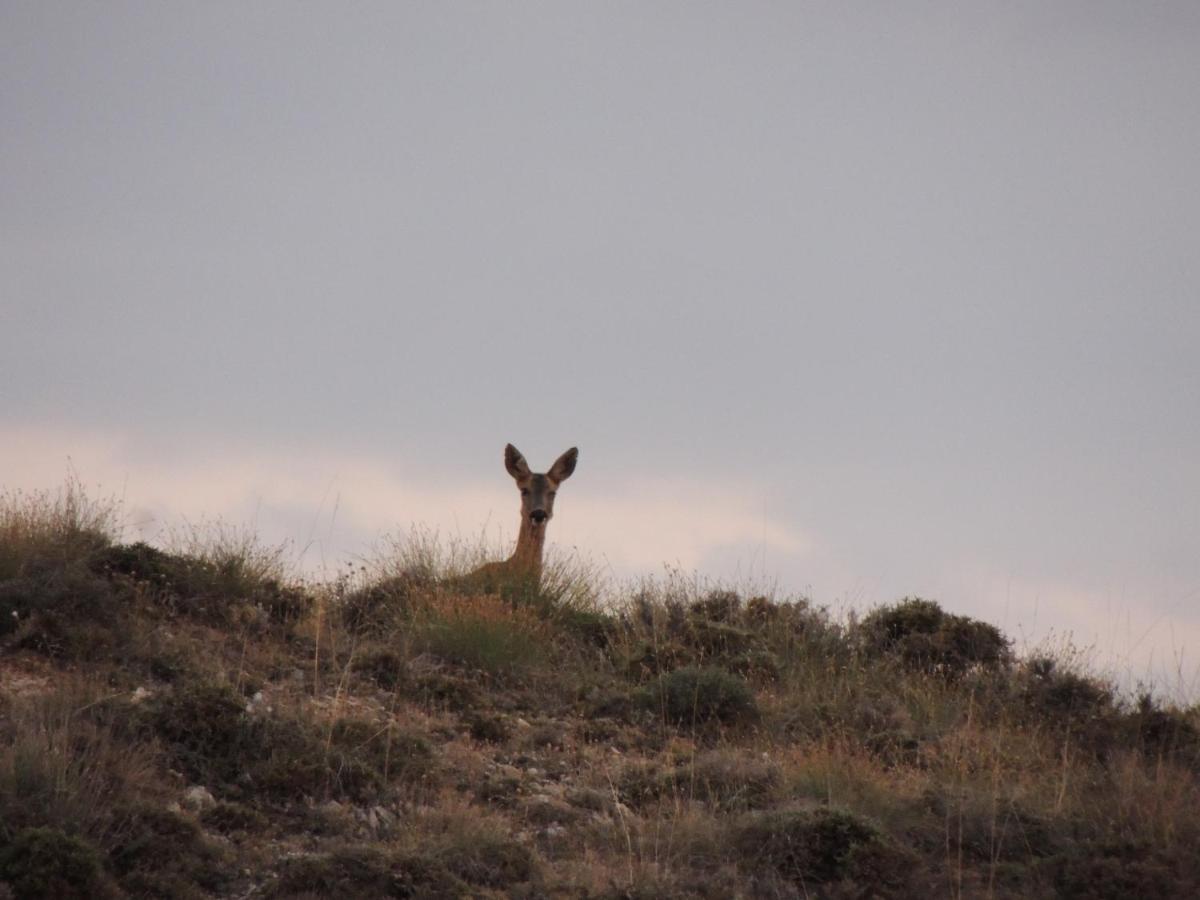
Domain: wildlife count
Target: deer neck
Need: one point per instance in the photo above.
(530, 542)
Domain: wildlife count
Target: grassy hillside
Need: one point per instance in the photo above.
(194, 724)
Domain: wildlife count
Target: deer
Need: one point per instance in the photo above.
(524, 568)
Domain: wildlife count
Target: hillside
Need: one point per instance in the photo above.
(192, 723)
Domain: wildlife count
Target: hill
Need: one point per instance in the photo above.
(193, 723)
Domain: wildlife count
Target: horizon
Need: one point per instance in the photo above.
(321, 526)
(858, 303)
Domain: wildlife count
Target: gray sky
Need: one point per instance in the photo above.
(893, 299)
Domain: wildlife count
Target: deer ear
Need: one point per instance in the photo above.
(515, 462)
(563, 466)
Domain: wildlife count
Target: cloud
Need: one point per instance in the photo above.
(1123, 631)
(333, 502)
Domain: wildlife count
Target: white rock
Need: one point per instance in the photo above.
(197, 798)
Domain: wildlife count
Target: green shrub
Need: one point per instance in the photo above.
(59, 608)
(700, 695)
(384, 606)
(1057, 694)
(216, 742)
(71, 594)
(592, 628)
(165, 854)
(1168, 733)
(213, 582)
(1122, 868)
(207, 731)
(665, 629)
(820, 846)
(486, 727)
(927, 639)
(46, 862)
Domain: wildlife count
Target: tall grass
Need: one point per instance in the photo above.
(51, 527)
(68, 762)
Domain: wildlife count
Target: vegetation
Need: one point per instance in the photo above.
(190, 721)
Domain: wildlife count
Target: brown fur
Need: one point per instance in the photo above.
(537, 509)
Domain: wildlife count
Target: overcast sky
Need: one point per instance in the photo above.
(864, 300)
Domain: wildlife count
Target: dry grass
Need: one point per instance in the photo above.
(49, 526)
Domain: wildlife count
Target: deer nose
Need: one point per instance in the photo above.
(538, 515)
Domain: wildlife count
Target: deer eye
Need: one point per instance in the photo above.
(524, 492)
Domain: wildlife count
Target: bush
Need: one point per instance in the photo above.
(665, 628)
(382, 607)
(217, 743)
(1070, 705)
(1122, 868)
(68, 592)
(821, 846)
(206, 730)
(1167, 733)
(487, 728)
(926, 639)
(213, 581)
(595, 629)
(696, 696)
(165, 854)
(65, 614)
(46, 862)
